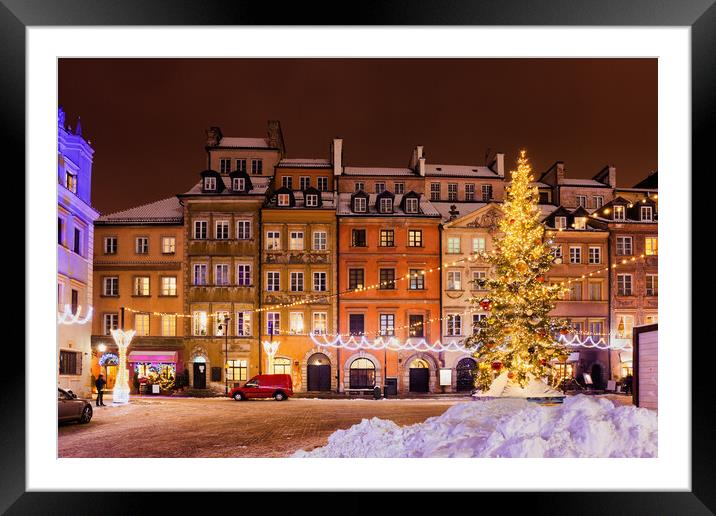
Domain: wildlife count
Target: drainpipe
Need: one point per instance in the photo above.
(338, 298)
(609, 303)
(260, 285)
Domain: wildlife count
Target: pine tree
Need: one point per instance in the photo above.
(518, 336)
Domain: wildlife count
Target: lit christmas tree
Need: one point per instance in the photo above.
(517, 337)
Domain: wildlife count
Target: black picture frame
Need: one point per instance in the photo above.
(699, 15)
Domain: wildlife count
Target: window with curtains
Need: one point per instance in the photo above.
(281, 365)
(237, 370)
(320, 323)
(243, 275)
(243, 324)
(387, 324)
(169, 325)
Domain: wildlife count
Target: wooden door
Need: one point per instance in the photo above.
(319, 377)
(419, 379)
(199, 375)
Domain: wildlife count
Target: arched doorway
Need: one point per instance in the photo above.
(596, 372)
(362, 374)
(464, 372)
(318, 369)
(199, 372)
(419, 380)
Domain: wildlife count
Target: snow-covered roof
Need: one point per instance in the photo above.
(581, 182)
(539, 184)
(167, 210)
(378, 171)
(251, 143)
(426, 207)
(436, 170)
(305, 163)
(464, 208)
(260, 185)
(328, 201)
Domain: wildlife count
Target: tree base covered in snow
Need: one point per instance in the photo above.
(537, 388)
(583, 426)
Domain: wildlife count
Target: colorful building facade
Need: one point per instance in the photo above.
(75, 241)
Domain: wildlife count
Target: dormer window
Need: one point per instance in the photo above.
(646, 214)
(209, 183)
(238, 184)
(311, 200)
(411, 205)
(360, 204)
(284, 199)
(619, 212)
(580, 222)
(560, 222)
(386, 205)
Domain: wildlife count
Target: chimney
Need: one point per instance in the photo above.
(421, 166)
(337, 156)
(275, 136)
(213, 136)
(612, 176)
(454, 212)
(560, 172)
(500, 164)
(417, 154)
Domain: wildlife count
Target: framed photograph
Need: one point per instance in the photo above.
(420, 245)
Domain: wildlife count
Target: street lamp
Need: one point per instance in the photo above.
(225, 329)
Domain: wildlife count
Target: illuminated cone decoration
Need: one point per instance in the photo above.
(120, 394)
(518, 334)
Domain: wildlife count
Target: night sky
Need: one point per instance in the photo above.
(146, 118)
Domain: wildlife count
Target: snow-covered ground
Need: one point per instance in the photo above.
(583, 426)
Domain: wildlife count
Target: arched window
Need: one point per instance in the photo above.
(362, 374)
(419, 363)
(281, 366)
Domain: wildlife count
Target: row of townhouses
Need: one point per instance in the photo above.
(309, 253)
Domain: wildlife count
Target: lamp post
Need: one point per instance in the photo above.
(120, 394)
(225, 329)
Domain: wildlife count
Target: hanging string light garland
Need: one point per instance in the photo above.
(67, 317)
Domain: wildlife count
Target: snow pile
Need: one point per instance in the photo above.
(535, 388)
(584, 426)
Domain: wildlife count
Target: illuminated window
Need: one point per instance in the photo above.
(595, 291)
(169, 285)
(560, 222)
(417, 279)
(71, 182)
(141, 324)
(236, 370)
(619, 212)
(273, 240)
(651, 246)
(580, 222)
(453, 245)
(477, 280)
(169, 245)
(415, 238)
(320, 323)
(199, 321)
(169, 325)
(296, 323)
(281, 365)
(556, 251)
(284, 199)
(387, 238)
(222, 230)
(387, 325)
(243, 324)
(596, 328)
(575, 291)
(141, 285)
(651, 319)
(478, 245)
(454, 280)
(220, 326)
(221, 274)
(476, 318)
(295, 242)
(625, 326)
(416, 326)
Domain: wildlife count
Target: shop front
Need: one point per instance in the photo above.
(153, 372)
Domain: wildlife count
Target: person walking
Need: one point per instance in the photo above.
(100, 383)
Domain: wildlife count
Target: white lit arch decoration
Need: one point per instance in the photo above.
(67, 317)
(120, 394)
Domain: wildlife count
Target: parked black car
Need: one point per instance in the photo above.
(72, 408)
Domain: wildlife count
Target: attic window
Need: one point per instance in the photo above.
(474, 170)
(386, 205)
(311, 200)
(619, 212)
(239, 184)
(646, 214)
(560, 222)
(411, 205)
(209, 183)
(284, 199)
(359, 204)
(580, 222)
(438, 168)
